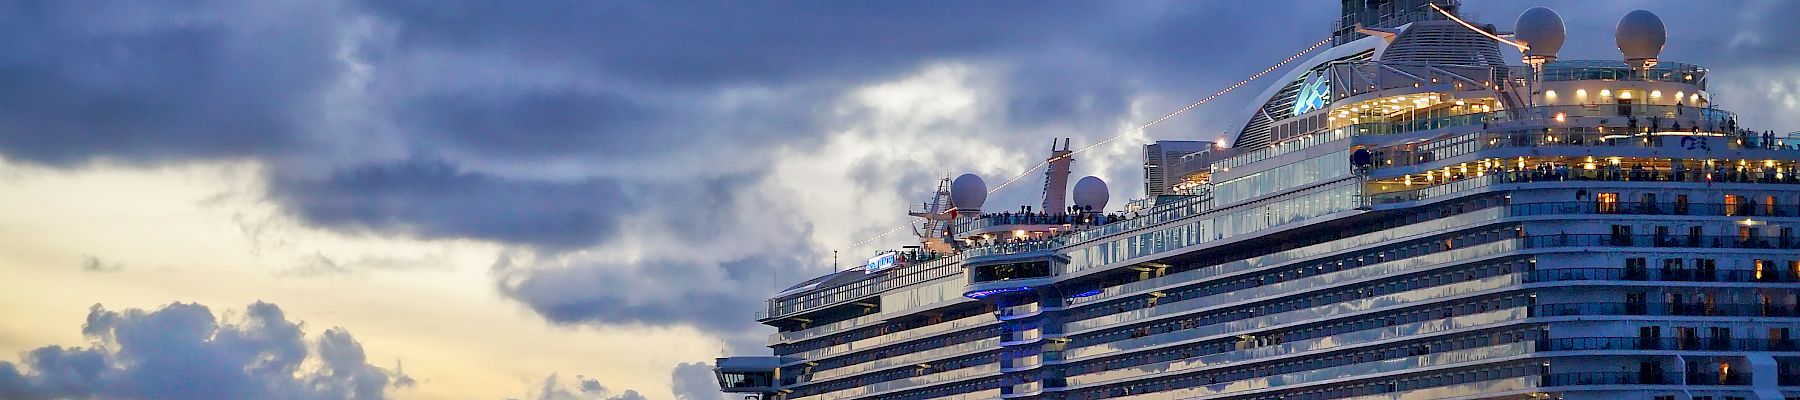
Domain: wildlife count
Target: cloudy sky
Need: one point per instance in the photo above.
(328, 199)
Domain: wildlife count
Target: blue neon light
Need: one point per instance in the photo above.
(990, 292)
(1087, 293)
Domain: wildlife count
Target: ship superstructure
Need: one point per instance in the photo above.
(1402, 216)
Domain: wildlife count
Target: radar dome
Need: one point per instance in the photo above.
(967, 192)
(1641, 36)
(1090, 194)
(1542, 31)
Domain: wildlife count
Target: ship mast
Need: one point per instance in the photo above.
(932, 232)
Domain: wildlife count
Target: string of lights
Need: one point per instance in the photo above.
(1466, 24)
(1139, 128)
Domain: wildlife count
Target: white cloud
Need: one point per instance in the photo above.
(203, 232)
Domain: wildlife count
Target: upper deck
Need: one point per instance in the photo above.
(1411, 130)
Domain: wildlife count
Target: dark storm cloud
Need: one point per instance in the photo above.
(657, 293)
(702, 95)
(181, 351)
(434, 199)
(721, 43)
(158, 81)
(543, 122)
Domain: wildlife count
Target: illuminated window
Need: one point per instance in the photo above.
(1608, 202)
(1731, 204)
(1759, 269)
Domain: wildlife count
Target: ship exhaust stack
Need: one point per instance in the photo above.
(1056, 177)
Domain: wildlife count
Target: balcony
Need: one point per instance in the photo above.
(1665, 309)
(1022, 389)
(999, 222)
(1661, 343)
(1660, 275)
(1677, 241)
(1564, 173)
(1645, 378)
(1610, 70)
(1021, 363)
(1013, 247)
(1022, 336)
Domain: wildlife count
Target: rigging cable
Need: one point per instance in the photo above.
(1140, 128)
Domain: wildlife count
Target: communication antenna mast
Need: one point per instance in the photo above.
(937, 215)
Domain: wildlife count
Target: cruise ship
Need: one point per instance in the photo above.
(1406, 213)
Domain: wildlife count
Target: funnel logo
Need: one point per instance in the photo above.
(1314, 89)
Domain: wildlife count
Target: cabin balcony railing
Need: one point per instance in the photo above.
(1668, 343)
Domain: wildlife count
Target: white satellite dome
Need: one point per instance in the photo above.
(1090, 194)
(1542, 31)
(967, 192)
(1641, 36)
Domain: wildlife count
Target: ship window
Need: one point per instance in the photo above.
(1000, 272)
(1607, 202)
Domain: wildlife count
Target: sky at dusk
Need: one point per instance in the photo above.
(336, 199)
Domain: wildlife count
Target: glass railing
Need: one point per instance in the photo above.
(986, 394)
(908, 383)
(937, 267)
(1027, 246)
(1333, 310)
(1716, 118)
(1075, 221)
(1611, 70)
(1456, 390)
(822, 330)
(1186, 306)
(1663, 309)
(1152, 217)
(1283, 147)
(1450, 147)
(1019, 311)
(912, 358)
(1548, 275)
(1030, 361)
(1672, 241)
(1644, 378)
(1363, 337)
(1024, 335)
(1435, 191)
(1281, 258)
(896, 337)
(1772, 275)
(1662, 343)
(1022, 389)
(1611, 174)
(1655, 208)
(1345, 371)
(1345, 277)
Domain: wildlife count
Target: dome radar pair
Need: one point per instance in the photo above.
(1640, 36)
(968, 192)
